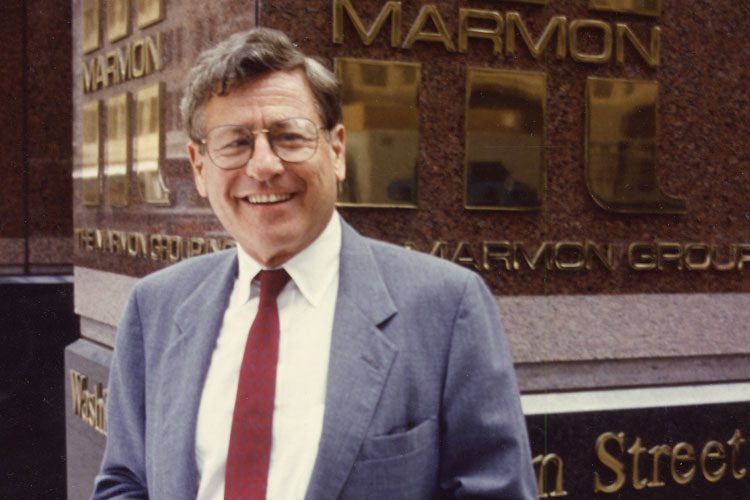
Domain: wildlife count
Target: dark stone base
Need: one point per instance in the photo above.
(36, 323)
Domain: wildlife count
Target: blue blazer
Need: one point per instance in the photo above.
(421, 397)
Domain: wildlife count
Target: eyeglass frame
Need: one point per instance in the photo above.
(204, 141)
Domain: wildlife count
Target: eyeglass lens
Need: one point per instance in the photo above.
(292, 140)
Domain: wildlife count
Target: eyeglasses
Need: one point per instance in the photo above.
(231, 146)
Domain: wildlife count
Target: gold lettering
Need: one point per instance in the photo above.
(123, 65)
(682, 466)
(610, 461)
(196, 246)
(113, 69)
(713, 450)
(159, 247)
(391, 9)
(492, 34)
(651, 56)
(77, 387)
(174, 244)
(119, 242)
(572, 250)
(727, 265)
(607, 258)
(736, 442)
(138, 58)
(697, 256)
(514, 23)
(88, 406)
(531, 262)
(657, 452)
(215, 245)
(101, 77)
(744, 255)
(637, 450)
(642, 256)
(440, 249)
(668, 252)
(590, 24)
(89, 76)
(153, 62)
(464, 256)
(544, 461)
(497, 251)
(417, 35)
(137, 244)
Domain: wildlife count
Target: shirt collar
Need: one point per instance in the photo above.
(311, 270)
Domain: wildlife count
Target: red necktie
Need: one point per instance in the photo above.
(249, 453)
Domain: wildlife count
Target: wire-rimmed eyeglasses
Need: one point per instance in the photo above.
(231, 146)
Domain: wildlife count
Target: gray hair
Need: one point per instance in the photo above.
(248, 55)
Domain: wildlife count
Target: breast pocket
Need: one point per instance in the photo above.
(396, 466)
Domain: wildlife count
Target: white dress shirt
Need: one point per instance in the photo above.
(306, 307)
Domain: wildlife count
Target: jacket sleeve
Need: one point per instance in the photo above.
(484, 443)
(123, 469)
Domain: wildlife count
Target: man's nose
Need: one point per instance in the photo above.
(263, 163)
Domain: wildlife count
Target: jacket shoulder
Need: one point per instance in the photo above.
(185, 274)
(418, 268)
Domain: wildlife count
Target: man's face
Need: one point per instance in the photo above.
(274, 209)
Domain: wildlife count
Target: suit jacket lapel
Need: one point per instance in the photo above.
(361, 357)
(182, 374)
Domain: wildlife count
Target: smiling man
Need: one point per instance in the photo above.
(310, 362)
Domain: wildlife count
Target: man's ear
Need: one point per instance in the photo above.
(338, 149)
(196, 161)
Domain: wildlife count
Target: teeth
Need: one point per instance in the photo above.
(268, 198)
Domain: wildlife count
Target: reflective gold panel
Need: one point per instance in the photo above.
(505, 139)
(90, 10)
(149, 145)
(117, 157)
(149, 12)
(643, 7)
(90, 164)
(382, 123)
(621, 134)
(118, 17)
(537, 2)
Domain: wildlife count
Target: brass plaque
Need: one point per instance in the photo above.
(149, 12)
(149, 145)
(90, 10)
(118, 17)
(621, 134)
(642, 7)
(91, 161)
(505, 139)
(382, 123)
(117, 155)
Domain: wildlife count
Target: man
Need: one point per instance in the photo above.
(374, 372)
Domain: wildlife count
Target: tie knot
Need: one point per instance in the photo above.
(271, 283)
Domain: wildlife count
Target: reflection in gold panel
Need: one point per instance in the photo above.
(90, 10)
(117, 157)
(621, 132)
(118, 17)
(90, 165)
(149, 12)
(148, 145)
(505, 139)
(643, 7)
(382, 124)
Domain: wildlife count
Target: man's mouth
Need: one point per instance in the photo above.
(264, 199)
